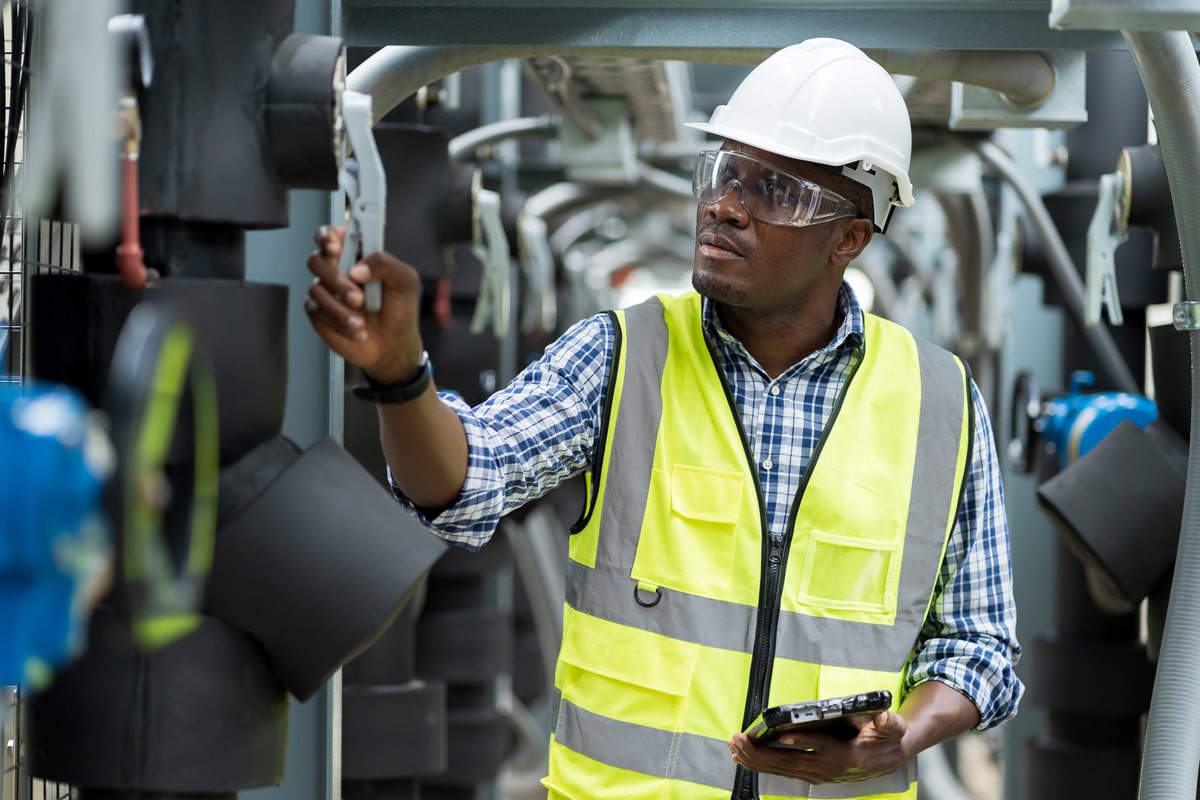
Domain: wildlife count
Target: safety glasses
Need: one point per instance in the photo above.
(766, 192)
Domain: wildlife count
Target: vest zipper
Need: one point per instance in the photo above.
(746, 782)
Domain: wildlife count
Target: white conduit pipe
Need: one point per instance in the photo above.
(392, 74)
(1171, 757)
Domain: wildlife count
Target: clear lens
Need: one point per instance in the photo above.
(766, 192)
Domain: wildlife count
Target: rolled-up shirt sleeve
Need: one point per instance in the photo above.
(969, 639)
(530, 436)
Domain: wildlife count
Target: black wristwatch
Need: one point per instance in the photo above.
(410, 388)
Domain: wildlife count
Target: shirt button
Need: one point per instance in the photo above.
(768, 464)
(775, 389)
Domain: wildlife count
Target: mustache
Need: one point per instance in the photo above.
(725, 231)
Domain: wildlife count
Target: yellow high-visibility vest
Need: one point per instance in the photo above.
(685, 618)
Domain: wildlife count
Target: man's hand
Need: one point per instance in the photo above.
(386, 344)
(933, 712)
(818, 758)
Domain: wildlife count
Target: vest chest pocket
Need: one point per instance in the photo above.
(853, 577)
(688, 541)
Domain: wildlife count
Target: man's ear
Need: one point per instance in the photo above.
(850, 241)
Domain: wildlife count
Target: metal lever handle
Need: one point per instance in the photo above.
(364, 184)
(490, 246)
(1102, 244)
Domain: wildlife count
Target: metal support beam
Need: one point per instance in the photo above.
(939, 24)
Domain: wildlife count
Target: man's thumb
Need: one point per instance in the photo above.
(890, 724)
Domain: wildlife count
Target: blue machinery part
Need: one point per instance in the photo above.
(1072, 424)
(1078, 422)
(54, 546)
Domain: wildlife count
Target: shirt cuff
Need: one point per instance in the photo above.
(472, 518)
(984, 674)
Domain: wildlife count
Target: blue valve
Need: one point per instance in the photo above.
(55, 553)
(1077, 422)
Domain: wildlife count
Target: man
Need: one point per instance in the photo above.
(788, 499)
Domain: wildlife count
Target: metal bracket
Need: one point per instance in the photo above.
(1186, 315)
(974, 108)
(364, 184)
(1102, 243)
(606, 156)
(1122, 15)
(537, 261)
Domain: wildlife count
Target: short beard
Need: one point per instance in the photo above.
(716, 289)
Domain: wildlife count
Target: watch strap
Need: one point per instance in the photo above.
(410, 388)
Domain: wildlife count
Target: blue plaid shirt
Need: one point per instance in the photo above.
(542, 429)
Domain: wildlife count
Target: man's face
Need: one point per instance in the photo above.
(743, 261)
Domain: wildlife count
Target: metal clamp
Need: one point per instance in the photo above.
(490, 245)
(537, 261)
(1186, 315)
(1105, 234)
(363, 182)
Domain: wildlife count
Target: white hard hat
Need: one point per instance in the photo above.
(825, 101)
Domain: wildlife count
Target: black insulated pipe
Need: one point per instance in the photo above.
(302, 114)
(1148, 202)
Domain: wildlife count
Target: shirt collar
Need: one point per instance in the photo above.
(849, 333)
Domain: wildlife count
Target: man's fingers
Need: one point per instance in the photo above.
(334, 315)
(795, 763)
(325, 270)
(394, 273)
(329, 240)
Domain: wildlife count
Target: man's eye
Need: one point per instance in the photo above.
(771, 188)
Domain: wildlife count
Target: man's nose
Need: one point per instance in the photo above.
(731, 204)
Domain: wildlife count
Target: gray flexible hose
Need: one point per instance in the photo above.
(1171, 757)
(1063, 268)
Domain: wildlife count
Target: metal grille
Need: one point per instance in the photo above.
(26, 246)
(654, 90)
(15, 783)
(17, 21)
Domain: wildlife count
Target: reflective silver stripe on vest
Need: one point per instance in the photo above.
(607, 591)
(631, 458)
(698, 759)
(932, 497)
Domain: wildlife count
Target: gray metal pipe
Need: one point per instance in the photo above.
(1024, 77)
(394, 73)
(463, 145)
(1063, 269)
(1171, 756)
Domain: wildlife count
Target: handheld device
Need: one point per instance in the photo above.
(839, 716)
